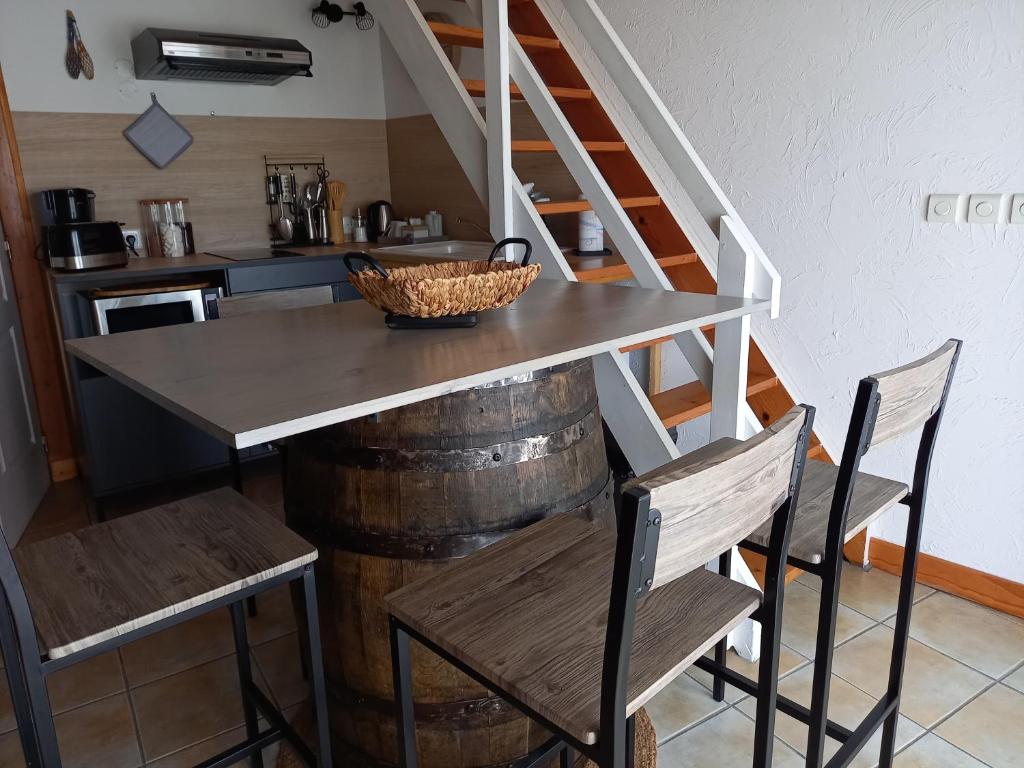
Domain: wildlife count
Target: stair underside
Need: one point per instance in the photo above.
(469, 37)
(690, 401)
(576, 206)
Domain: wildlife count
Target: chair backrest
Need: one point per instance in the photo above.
(292, 298)
(712, 499)
(910, 394)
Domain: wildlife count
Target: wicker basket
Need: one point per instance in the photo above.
(443, 290)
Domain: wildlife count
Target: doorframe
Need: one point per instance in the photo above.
(37, 321)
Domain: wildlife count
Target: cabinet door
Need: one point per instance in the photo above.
(24, 475)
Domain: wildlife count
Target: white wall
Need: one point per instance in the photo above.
(346, 83)
(828, 124)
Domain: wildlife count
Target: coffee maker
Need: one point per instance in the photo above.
(72, 239)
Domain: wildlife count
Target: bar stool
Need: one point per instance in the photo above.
(81, 594)
(578, 627)
(835, 505)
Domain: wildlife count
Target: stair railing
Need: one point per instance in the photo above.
(596, 42)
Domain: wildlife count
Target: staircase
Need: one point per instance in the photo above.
(667, 217)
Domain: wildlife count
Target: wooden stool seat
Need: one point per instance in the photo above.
(530, 614)
(106, 580)
(872, 495)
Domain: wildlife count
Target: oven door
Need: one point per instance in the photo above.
(116, 314)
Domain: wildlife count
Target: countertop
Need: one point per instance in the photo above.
(149, 267)
(203, 372)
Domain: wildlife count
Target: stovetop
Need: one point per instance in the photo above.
(253, 254)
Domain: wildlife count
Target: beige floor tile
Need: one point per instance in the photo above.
(275, 616)
(178, 648)
(847, 706)
(281, 666)
(991, 728)
(1015, 680)
(873, 593)
(788, 661)
(989, 641)
(933, 752)
(93, 679)
(679, 705)
(99, 734)
(184, 709)
(80, 684)
(727, 739)
(933, 684)
(800, 620)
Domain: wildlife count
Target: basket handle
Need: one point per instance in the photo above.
(512, 241)
(367, 259)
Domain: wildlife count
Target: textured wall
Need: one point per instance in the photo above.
(828, 124)
(347, 77)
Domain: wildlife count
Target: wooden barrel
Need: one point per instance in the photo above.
(393, 498)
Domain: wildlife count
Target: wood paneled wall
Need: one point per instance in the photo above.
(221, 173)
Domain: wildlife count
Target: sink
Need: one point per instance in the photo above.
(466, 250)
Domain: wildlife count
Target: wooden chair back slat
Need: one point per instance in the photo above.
(908, 395)
(711, 500)
(292, 298)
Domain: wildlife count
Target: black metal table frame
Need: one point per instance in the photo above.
(27, 672)
(886, 712)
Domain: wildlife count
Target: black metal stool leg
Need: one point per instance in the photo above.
(252, 726)
(42, 714)
(824, 650)
(722, 646)
(316, 669)
(901, 638)
(631, 742)
(567, 758)
(401, 671)
(18, 690)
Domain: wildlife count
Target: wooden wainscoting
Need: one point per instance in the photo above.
(971, 584)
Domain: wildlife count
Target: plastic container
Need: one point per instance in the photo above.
(168, 229)
(435, 224)
(591, 232)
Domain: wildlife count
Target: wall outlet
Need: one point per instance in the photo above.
(139, 244)
(943, 208)
(984, 209)
(1017, 210)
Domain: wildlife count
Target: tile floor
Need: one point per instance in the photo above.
(171, 700)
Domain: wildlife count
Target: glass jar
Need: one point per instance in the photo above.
(168, 229)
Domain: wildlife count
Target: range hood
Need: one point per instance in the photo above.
(172, 54)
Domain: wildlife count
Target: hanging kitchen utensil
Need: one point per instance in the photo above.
(84, 59)
(158, 136)
(72, 61)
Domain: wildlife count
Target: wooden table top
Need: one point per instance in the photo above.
(262, 377)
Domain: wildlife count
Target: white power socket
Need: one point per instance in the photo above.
(139, 243)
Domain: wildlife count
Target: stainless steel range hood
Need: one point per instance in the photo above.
(171, 54)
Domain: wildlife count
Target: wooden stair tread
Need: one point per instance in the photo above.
(575, 206)
(607, 271)
(560, 93)
(540, 145)
(681, 404)
(471, 37)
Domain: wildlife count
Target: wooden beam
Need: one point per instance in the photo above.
(678, 405)
(539, 145)
(478, 88)
(575, 206)
(469, 37)
(41, 336)
(499, 120)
